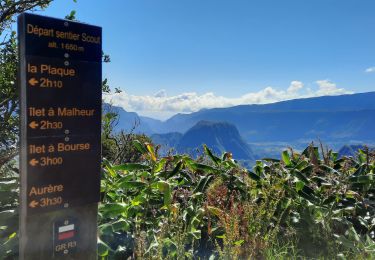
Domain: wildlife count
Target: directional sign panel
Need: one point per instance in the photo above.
(55, 38)
(60, 112)
(60, 92)
(62, 98)
(62, 172)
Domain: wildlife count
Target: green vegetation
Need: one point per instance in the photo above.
(305, 205)
(309, 205)
(9, 123)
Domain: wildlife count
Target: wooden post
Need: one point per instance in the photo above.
(60, 91)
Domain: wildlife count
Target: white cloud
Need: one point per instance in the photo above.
(295, 86)
(329, 88)
(162, 106)
(370, 70)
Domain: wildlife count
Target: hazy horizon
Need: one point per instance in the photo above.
(111, 99)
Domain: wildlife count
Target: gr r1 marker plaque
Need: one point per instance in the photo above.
(60, 91)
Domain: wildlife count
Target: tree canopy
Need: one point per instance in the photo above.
(9, 102)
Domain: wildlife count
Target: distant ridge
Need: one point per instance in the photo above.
(345, 117)
(347, 102)
(352, 150)
(341, 119)
(220, 137)
(131, 121)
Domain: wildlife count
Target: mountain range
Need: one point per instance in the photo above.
(352, 150)
(218, 136)
(332, 119)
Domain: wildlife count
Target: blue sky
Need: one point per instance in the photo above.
(210, 53)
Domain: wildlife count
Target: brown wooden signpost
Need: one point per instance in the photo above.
(60, 93)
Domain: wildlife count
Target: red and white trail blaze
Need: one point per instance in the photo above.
(66, 232)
